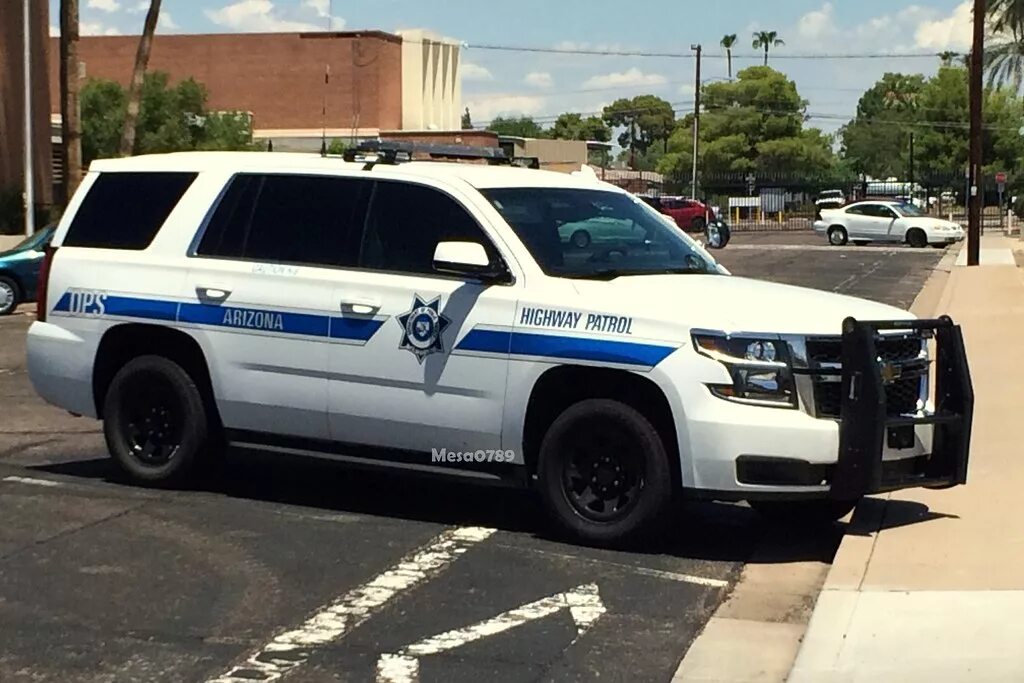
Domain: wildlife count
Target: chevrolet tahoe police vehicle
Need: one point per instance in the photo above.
(381, 310)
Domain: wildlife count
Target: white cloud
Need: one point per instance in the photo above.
(475, 72)
(139, 7)
(257, 16)
(818, 25)
(948, 33)
(486, 107)
(96, 28)
(322, 9)
(632, 77)
(539, 79)
(104, 5)
(167, 21)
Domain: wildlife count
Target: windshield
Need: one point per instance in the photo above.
(910, 210)
(596, 234)
(36, 241)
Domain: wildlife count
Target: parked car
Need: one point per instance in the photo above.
(885, 221)
(689, 214)
(19, 270)
(830, 199)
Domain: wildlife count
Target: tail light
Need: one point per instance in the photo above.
(43, 286)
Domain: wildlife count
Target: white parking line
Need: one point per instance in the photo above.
(32, 481)
(293, 648)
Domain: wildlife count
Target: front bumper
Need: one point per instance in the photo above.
(745, 452)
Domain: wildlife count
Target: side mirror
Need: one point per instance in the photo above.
(718, 235)
(465, 258)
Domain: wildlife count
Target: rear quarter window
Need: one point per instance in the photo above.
(126, 210)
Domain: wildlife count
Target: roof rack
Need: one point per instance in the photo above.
(373, 152)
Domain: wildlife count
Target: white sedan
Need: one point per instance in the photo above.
(885, 221)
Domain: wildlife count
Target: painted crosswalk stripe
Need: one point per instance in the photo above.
(291, 649)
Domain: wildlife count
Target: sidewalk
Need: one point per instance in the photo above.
(929, 585)
(8, 241)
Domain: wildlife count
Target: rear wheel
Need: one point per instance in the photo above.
(917, 238)
(699, 224)
(155, 422)
(604, 472)
(837, 236)
(581, 239)
(804, 512)
(10, 295)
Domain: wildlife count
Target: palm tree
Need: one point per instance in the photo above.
(70, 111)
(1004, 62)
(947, 57)
(727, 42)
(1006, 15)
(767, 40)
(901, 95)
(131, 117)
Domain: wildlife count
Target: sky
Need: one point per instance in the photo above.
(544, 85)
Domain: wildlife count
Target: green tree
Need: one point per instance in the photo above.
(516, 126)
(767, 40)
(1004, 62)
(753, 124)
(947, 57)
(337, 147)
(467, 120)
(647, 119)
(727, 43)
(570, 126)
(170, 119)
(876, 142)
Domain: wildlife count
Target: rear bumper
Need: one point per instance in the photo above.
(60, 368)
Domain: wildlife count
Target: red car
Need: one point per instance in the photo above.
(689, 214)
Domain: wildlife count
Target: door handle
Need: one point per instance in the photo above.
(212, 295)
(360, 306)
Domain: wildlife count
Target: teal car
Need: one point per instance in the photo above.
(19, 270)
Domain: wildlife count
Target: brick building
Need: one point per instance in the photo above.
(12, 103)
(353, 83)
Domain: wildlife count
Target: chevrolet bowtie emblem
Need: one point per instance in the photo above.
(890, 372)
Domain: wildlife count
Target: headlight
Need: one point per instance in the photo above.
(759, 367)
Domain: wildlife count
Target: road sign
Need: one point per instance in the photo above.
(583, 602)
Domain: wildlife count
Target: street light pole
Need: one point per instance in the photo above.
(696, 118)
(976, 196)
(30, 198)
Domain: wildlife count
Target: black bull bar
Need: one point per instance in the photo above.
(865, 422)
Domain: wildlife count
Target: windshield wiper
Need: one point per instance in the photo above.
(612, 273)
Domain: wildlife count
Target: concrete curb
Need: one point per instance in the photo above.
(849, 567)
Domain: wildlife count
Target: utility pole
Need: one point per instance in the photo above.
(976, 197)
(696, 117)
(911, 173)
(30, 192)
(70, 112)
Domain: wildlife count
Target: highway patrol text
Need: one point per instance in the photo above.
(594, 322)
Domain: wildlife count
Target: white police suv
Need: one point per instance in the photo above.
(440, 317)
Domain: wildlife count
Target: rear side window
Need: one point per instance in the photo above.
(126, 210)
(309, 220)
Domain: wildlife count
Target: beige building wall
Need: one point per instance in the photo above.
(565, 156)
(431, 83)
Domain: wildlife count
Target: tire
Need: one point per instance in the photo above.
(10, 295)
(837, 236)
(860, 243)
(917, 238)
(627, 460)
(938, 245)
(698, 224)
(581, 239)
(156, 425)
(819, 512)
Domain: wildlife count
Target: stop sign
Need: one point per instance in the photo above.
(1001, 178)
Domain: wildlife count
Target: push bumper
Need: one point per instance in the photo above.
(866, 426)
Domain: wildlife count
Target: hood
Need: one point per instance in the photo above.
(734, 304)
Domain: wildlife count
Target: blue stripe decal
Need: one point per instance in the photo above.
(65, 302)
(570, 348)
(147, 309)
(487, 341)
(254, 319)
(360, 329)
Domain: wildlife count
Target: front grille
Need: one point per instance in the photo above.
(825, 356)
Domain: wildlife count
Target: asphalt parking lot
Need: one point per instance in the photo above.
(299, 568)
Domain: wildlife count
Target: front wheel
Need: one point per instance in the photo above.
(581, 239)
(699, 224)
(10, 295)
(604, 473)
(917, 238)
(155, 422)
(817, 512)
